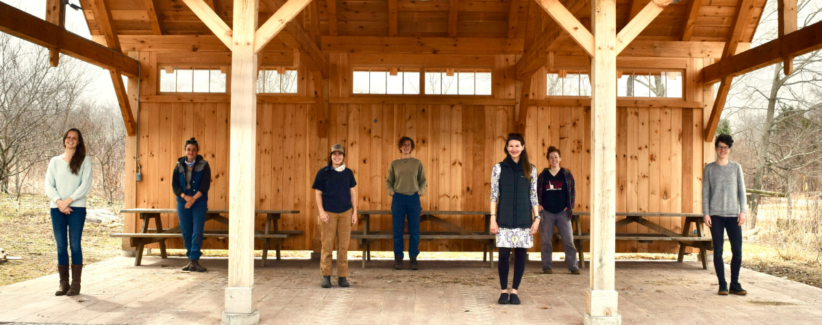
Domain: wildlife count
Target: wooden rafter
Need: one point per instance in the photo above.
(569, 23)
(333, 25)
(743, 10)
(513, 18)
(636, 7)
(277, 22)
(421, 45)
(296, 37)
(453, 11)
(321, 101)
(18, 23)
(800, 42)
(534, 55)
(153, 17)
(787, 24)
(122, 100)
(690, 22)
(639, 23)
(105, 23)
(55, 14)
(314, 29)
(211, 20)
(392, 17)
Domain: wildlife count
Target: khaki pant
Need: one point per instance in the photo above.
(339, 225)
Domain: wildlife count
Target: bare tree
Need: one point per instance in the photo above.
(34, 102)
(105, 135)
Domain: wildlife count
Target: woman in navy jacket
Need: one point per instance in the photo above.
(191, 180)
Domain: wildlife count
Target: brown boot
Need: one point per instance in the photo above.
(63, 270)
(187, 267)
(196, 267)
(76, 275)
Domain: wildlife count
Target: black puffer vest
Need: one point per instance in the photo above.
(514, 209)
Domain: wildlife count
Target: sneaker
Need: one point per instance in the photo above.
(736, 289)
(547, 271)
(343, 282)
(503, 299)
(414, 265)
(326, 281)
(514, 299)
(575, 271)
(398, 264)
(187, 267)
(723, 289)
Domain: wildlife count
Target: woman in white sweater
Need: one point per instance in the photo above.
(68, 181)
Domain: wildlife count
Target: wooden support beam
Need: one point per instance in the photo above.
(392, 18)
(513, 18)
(802, 41)
(333, 25)
(421, 45)
(569, 23)
(18, 23)
(321, 101)
(243, 139)
(523, 103)
(787, 24)
(636, 7)
(122, 100)
(278, 22)
(453, 11)
(105, 24)
(743, 10)
(295, 37)
(690, 22)
(55, 14)
(153, 17)
(639, 23)
(211, 20)
(314, 30)
(602, 297)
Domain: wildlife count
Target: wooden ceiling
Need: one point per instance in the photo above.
(426, 18)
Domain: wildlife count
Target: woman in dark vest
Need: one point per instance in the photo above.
(514, 212)
(190, 181)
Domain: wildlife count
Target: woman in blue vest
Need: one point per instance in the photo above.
(514, 212)
(191, 180)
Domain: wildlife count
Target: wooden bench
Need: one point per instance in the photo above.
(685, 239)
(271, 234)
(486, 237)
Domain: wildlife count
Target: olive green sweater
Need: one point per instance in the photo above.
(406, 176)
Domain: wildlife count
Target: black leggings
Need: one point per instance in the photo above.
(519, 266)
(718, 226)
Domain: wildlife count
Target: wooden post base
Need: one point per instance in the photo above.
(601, 320)
(241, 319)
(240, 308)
(602, 304)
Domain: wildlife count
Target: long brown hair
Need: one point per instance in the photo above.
(526, 165)
(79, 152)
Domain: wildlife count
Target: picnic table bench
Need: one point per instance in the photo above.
(271, 234)
(486, 237)
(685, 239)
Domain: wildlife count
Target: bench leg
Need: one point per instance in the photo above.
(364, 252)
(493, 244)
(485, 252)
(138, 258)
(681, 256)
(159, 222)
(704, 254)
(266, 244)
(279, 247)
(581, 255)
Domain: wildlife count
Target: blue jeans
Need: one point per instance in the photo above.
(71, 226)
(719, 226)
(192, 221)
(402, 206)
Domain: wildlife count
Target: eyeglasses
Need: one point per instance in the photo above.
(723, 148)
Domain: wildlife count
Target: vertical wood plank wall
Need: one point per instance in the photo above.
(659, 157)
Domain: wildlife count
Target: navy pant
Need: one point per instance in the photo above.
(401, 207)
(192, 221)
(68, 230)
(718, 226)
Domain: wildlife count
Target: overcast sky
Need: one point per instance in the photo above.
(101, 90)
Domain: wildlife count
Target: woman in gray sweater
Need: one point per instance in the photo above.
(68, 181)
(725, 207)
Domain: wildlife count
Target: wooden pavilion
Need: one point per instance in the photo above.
(629, 152)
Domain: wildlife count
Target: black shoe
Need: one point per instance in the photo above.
(414, 265)
(326, 281)
(547, 271)
(398, 264)
(187, 267)
(196, 267)
(503, 299)
(575, 271)
(514, 299)
(723, 289)
(343, 282)
(736, 289)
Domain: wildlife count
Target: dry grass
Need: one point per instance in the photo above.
(26, 232)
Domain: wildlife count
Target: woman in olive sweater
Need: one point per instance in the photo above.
(514, 212)
(406, 183)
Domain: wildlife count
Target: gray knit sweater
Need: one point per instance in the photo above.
(723, 190)
(62, 184)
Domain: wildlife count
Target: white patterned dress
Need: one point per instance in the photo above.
(514, 237)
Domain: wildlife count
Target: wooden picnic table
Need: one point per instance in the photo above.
(271, 234)
(456, 232)
(685, 239)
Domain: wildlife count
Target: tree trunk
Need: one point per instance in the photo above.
(764, 143)
(789, 192)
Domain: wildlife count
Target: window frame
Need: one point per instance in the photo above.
(162, 68)
(422, 70)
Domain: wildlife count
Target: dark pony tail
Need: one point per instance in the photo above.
(526, 164)
(76, 161)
